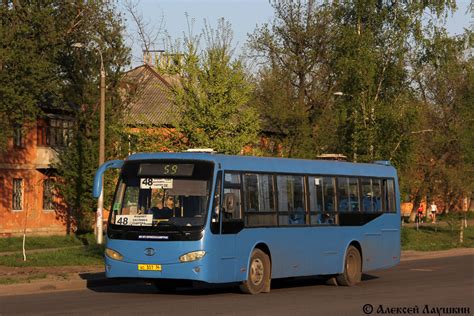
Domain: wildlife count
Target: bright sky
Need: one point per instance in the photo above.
(244, 15)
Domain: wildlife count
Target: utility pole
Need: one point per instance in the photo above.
(100, 202)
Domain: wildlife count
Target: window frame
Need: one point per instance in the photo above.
(51, 193)
(19, 137)
(309, 214)
(14, 206)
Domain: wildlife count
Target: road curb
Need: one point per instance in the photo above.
(409, 255)
(77, 282)
(96, 280)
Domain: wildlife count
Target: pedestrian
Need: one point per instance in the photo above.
(419, 214)
(433, 211)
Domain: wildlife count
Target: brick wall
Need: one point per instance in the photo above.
(21, 163)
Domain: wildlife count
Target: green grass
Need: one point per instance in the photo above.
(34, 242)
(430, 238)
(27, 279)
(90, 255)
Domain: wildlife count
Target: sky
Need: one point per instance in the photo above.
(244, 15)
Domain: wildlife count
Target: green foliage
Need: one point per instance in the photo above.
(369, 80)
(65, 257)
(295, 77)
(442, 167)
(41, 70)
(102, 30)
(28, 72)
(213, 94)
(22, 279)
(430, 238)
(150, 138)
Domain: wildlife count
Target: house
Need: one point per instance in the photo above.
(151, 114)
(26, 176)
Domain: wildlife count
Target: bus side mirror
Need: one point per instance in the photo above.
(99, 174)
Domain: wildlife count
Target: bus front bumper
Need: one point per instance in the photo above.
(196, 270)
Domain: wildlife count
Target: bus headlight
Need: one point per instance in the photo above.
(112, 254)
(192, 256)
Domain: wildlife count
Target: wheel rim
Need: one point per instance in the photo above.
(351, 266)
(256, 271)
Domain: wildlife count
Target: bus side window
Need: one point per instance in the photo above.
(251, 192)
(366, 198)
(329, 216)
(259, 199)
(291, 201)
(390, 196)
(377, 195)
(315, 187)
(343, 202)
(232, 221)
(354, 194)
(216, 205)
(328, 185)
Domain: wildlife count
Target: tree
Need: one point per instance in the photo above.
(445, 158)
(370, 61)
(213, 94)
(28, 72)
(40, 69)
(295, 80)
(347, 72)
(100, 28)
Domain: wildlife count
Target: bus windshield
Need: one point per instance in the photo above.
(162, 194)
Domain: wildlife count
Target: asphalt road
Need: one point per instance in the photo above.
(420, 287)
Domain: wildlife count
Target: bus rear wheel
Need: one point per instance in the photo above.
(258, 277)
(352, 268)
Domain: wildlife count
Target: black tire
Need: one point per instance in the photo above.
(352, 268)
(164, 285)
(258, 277)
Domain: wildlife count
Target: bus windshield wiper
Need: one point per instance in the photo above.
(173, 225)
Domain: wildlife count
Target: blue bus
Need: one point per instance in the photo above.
(219, 219)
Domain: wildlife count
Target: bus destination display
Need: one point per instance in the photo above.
(166, 169)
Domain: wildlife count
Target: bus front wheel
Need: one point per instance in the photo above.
(258, 277)
(352, 268)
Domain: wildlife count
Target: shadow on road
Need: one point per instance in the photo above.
(98, 283)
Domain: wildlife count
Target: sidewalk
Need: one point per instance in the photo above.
(84, 280)
(73, 282)
(409, 255)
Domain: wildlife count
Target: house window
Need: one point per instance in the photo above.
(55, 133)
(17, 195)
(18, 137)
(48, 194)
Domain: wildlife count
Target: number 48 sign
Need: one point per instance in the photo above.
(151, 183)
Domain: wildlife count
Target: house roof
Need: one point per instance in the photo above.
(150, 98)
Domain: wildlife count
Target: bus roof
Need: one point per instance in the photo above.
(276, 165)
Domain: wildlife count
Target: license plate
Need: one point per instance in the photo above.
(149, 267)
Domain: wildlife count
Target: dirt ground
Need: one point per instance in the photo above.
(22, 274)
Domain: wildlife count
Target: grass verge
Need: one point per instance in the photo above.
(38, 242)
(90, 255)
(431, 238)
(25, 279)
